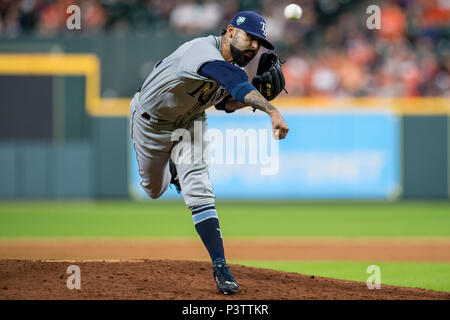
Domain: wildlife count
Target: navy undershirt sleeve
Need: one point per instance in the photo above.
(221, 104)
(233, 78)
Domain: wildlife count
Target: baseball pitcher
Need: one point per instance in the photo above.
(201, 73)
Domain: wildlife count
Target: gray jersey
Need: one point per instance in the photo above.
(175, 91)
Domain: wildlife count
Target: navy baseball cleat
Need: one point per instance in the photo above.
(226, 284)
(173, 172)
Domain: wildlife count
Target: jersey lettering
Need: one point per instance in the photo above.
(208, 90)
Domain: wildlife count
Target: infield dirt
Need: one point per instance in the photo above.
(432, 250)
(179, 279)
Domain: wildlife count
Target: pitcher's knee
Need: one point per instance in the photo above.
(154, 195)
(153, 192)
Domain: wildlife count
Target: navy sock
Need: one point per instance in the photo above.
(206, 223)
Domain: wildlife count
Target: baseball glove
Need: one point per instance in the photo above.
(269, 79)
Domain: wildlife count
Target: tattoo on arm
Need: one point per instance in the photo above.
(233, 104)
(257, 101)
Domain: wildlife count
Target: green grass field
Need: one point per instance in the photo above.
(238, 219)
(252, 219)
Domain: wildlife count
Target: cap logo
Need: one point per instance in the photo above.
(264, 28)
(240, 20)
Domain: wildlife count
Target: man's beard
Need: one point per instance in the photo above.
(239, 57)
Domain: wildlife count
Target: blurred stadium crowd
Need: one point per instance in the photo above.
(328, 52)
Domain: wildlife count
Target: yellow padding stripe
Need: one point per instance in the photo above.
(88, 65)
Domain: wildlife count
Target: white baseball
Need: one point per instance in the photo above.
(293, 11)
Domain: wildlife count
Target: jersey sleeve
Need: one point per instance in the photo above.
(194, 57)
(231, 77)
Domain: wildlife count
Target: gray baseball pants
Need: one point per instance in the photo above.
(156, 141)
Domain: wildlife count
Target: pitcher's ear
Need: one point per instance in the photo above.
(232, 30)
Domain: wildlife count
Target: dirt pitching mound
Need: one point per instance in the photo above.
(173, 279)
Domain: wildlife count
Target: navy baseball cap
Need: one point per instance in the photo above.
(254, 24)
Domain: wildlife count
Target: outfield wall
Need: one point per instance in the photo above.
(333, 154)
(426, 156)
